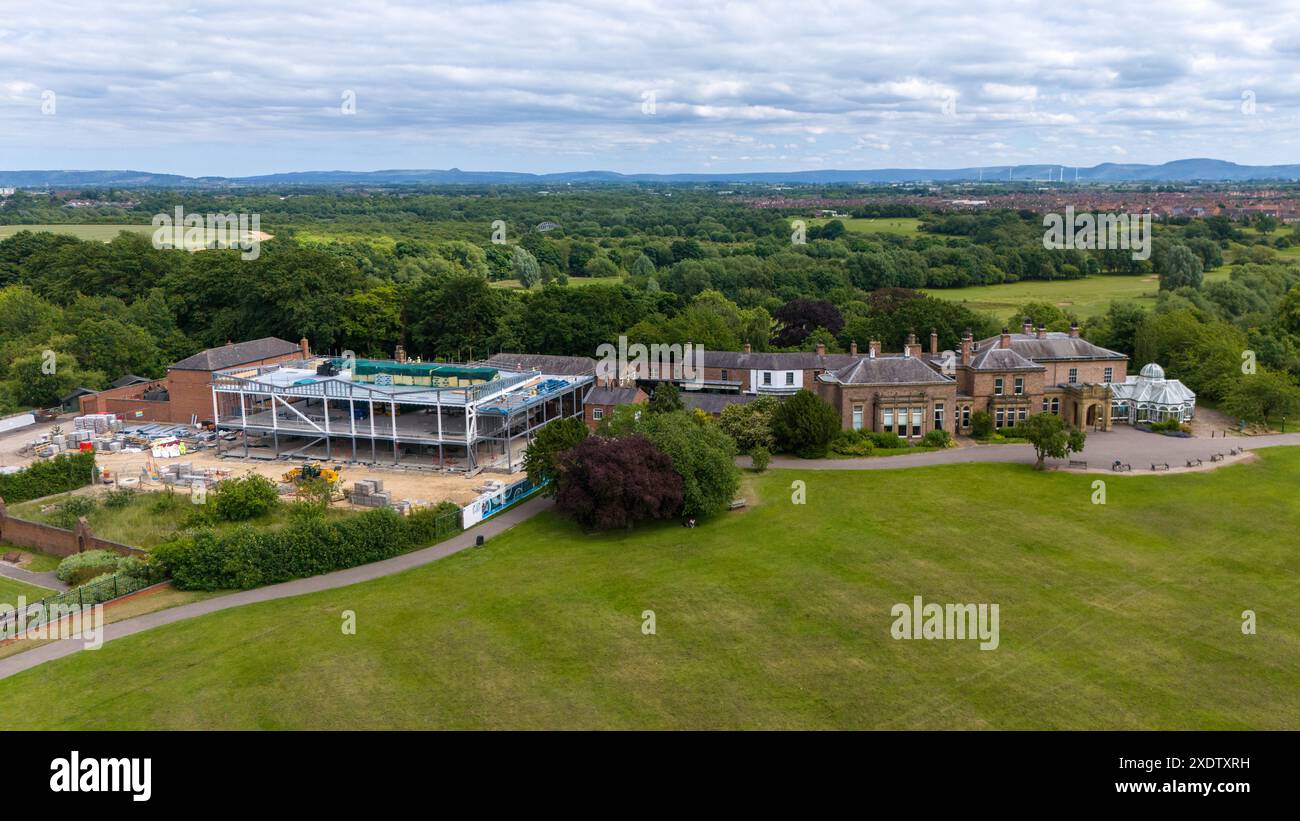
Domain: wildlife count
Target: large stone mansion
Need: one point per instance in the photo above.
(1011, 377)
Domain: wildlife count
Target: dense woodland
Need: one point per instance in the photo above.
(367, 270)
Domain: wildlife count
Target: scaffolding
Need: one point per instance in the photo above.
(311, 409)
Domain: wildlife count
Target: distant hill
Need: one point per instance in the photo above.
(1191, 170)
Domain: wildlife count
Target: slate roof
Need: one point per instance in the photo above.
(792, 361)
(714, 402)
(611, 396)
(240, 353)
(886, 370)
(129, 379)
(1003, 359)
(1056, 346)
(558, 365)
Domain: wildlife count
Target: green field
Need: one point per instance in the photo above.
(1124, 615)
(11, 589)
(572, 282)
(1085, 297)
(103, 233)
(905, 226)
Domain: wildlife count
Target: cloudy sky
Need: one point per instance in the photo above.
(257, 87)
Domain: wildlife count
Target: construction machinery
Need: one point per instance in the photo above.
(312, 471)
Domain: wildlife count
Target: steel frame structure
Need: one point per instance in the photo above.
(290, 400)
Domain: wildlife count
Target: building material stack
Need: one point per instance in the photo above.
(370, 493)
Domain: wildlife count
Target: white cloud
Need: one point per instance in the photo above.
(255, 87)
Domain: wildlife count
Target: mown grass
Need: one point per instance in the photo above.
(11, 589)
(102, 233)
(1122, 615)
(903, 226)
(1087, 297)
(37, 562)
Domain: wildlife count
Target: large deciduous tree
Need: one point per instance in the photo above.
(547, 446)
(800, 317)
(702, 455)
(1050, 437)
(608, 483)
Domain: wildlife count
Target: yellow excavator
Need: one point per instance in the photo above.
(312, 471)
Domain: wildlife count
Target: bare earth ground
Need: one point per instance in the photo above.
(402, 484)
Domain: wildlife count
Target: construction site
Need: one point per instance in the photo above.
(413, 415)
(387, 433)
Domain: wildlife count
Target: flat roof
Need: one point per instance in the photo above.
(506, 392)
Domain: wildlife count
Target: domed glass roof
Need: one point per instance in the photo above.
(1152, 371)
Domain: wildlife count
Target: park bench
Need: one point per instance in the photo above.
(1218, 457)
(736, 503)
(1120, 467)
(1078, 463)
(1237, 451)
(1191, 463)
(1160, 466)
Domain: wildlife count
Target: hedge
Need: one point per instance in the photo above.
(249, 557)
(67, 471)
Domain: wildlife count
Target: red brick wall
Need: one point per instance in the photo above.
(56, 540)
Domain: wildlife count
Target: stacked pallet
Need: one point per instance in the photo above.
(96, 423)
(370, 493)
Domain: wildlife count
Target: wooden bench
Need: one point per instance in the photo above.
(1078, 463)
(735, 504)
(1237, 451)
(1160, 466)
(1120, 467)
(1191, 463)
(1218, 457)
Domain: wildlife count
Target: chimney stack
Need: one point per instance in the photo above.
(821, 348)
(873, 348)
(306, 349)
(934, 342)
(1005, 341)
(1027, 327)
(853, 347)
(967, 339)
(400, 354)
(749, 348)
(911, 347)
(1074, 330)
(1042, 331)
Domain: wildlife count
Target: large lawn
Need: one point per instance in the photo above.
(103, 233)
(1086, 297)
(1123, 615)
(11, 589)
(904, 226)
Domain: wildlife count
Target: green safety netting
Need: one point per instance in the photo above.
(372, 367)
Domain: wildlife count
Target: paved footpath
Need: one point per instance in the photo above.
(32, 577)
(328, 581)
(1133, 447)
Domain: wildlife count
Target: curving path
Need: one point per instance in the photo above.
(328, 581)
(1128, 445)
(49, 579)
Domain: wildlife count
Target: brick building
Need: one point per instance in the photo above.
(897, 393)
(184, 395)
